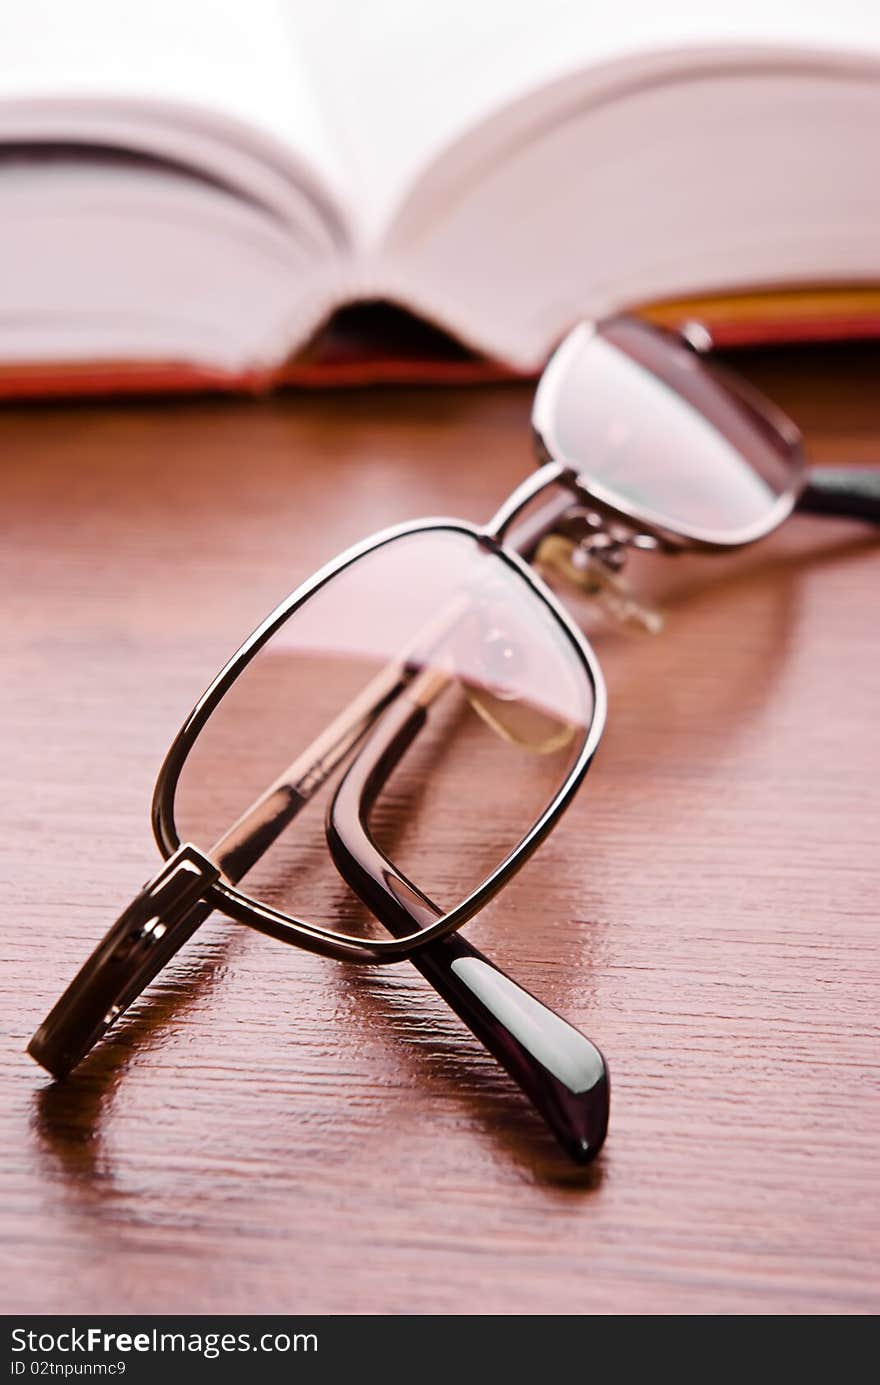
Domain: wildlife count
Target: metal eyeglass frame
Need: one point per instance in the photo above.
(562, 1072)
(287, 927)
(559, 1069)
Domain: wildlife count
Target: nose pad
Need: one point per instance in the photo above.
(591, 574)
(493, 672)
(518, 722)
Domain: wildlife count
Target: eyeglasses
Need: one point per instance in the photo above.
(429, 687)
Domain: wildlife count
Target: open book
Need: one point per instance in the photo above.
(201, 183)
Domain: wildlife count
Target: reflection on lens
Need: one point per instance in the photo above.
(663, 435)
(433, 616)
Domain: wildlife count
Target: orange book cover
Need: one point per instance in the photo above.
(379, 344)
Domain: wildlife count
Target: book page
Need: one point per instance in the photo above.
(232, 60)
(400, 82)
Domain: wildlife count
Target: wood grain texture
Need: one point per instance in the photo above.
(271, 1131)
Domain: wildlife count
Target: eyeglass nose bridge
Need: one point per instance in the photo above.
(157, 922)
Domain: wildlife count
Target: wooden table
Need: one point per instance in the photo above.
(274, 1132)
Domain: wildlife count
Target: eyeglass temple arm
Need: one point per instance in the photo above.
(170, 907)
(852, 492)
(560, 1071)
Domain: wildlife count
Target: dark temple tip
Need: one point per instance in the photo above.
(852, 492)
(56, 1064)
(582, 1133)
(576, 1105)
